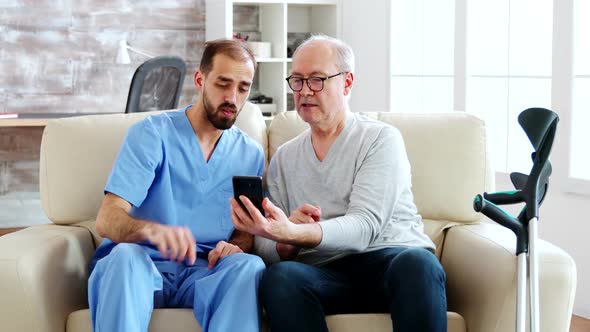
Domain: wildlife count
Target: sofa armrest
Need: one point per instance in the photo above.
(43, 276)
(481, 268)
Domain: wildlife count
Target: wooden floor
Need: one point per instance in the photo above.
(580, 324)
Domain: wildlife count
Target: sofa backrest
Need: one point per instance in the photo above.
(447, 152)
(77, 155)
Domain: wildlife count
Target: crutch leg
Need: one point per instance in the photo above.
(521, 299)
(534, 276)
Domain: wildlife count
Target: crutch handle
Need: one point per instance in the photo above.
(505, 197)
(503, 218)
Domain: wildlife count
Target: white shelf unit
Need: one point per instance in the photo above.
(276, 20)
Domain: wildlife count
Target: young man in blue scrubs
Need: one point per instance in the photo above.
(169, 239)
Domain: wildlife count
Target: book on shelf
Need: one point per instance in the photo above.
(8, 115)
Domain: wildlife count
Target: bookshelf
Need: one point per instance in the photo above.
(283, 24)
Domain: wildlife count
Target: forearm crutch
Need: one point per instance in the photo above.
(539, 125)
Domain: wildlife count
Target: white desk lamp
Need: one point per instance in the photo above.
(123, 53)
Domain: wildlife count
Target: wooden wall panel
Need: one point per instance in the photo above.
(23, 176)
(20, 143)
(2, 101)
(38, 43)
(19, 159)
(147, 14)
(28, 75)
(30, 44)
(48, 14)
(102, 80)
(187, 44)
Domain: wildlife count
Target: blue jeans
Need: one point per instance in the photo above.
(409, 283)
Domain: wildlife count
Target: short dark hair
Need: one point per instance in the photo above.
(232, 48)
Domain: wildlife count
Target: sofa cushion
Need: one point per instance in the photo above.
(77, 155)
(284, 126)
(436, 230)
(177, 320)
(448, 153)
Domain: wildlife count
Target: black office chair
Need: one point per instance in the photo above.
(156, 84)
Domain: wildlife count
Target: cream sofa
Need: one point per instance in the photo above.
(43, 269)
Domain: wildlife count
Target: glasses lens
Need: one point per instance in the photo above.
(296, 83)
(316, 83)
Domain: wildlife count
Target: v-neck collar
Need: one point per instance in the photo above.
(335, 145)
(195, 143)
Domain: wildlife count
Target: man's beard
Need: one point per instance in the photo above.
(216, 117)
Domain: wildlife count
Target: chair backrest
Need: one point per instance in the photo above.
(156, 85)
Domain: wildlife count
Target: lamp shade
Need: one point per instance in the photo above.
(122, 53)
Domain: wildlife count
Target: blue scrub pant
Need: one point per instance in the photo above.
(409, 283)
(127, 284)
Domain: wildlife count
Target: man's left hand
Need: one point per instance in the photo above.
(274, 226)
(222, 249)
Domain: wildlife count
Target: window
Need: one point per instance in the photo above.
(422, 53)
(495, 59)
(508, 71)
(580, 136)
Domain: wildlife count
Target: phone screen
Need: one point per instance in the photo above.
(251, 187)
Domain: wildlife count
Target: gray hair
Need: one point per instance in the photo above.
(344, 52)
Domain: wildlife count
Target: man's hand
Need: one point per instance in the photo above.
(287, 252)
(222, 249)
(114, 222)
(243, 240)
(305, 214)
(275, 226)
(259, 225)
(173, 242)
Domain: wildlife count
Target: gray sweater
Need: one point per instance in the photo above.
(363, 187)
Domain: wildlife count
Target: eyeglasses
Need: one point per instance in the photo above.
(315, 84)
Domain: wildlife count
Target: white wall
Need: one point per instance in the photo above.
(365, 27)
(565, 223)
(564, 217)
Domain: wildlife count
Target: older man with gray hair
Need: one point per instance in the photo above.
(354, 241)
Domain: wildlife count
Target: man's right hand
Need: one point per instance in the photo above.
(114, 222)
(174, 242)
(305, 214)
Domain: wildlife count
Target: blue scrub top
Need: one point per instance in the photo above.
(162, 172)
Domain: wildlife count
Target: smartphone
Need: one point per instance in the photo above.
(251, 187)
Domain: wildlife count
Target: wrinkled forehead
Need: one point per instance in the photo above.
(315, 58)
